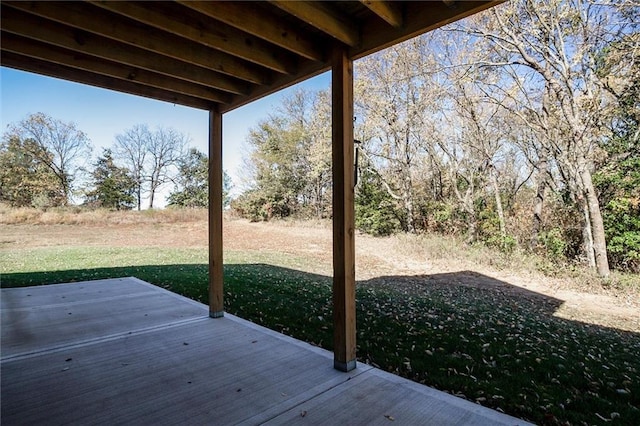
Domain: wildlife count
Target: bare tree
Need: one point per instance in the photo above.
(394, 102)
(64, 141)
(558, 42)
(166, 147)
(150, 157)
(132, 148)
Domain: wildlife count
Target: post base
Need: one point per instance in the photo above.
(344, 366)
(216, 314)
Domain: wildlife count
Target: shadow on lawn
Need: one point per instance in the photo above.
(469, 334)
(463, 289)
(481, 287)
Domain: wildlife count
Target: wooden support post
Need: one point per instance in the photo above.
(216, 307)
(344, 277)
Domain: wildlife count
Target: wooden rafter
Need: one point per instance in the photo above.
(119, 30)
(418, 20)
(387, 10)
(37, 66)
(90, 64)
(35, 28)
(217, 36)
(228, 53)
(323, 17)
(264, 25)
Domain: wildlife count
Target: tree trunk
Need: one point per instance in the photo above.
(472, 228)
(408, 206)
(153, 186)
(407, 199)
(499, 209)
(66, 190)
(540, 195)
(151, 197)
(472, 220)
(587, 235)
(597, 225)
(319, 206)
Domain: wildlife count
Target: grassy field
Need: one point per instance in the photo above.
(500, 348)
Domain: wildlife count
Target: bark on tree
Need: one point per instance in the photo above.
(541, 189)
(597, 224)
(499, 210)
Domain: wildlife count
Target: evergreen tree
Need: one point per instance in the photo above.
(376, 212)
(192, 182)
(113, 187)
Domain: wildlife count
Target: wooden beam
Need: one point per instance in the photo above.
(308, 69)
(264, 25)
(25, 63)
(419, 18)
(387, 10)
(33, 27)
(210, 33)
(97, 21)
(344, 280)
(216, 273)
(57, 55)
(324, 18)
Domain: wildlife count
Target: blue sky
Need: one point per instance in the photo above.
(102, 114)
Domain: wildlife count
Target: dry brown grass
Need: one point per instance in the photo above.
(85, 216)
(311, 242)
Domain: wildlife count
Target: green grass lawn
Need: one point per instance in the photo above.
(503, 350)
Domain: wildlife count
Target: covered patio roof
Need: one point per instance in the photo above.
(207, 54)
(219, 56)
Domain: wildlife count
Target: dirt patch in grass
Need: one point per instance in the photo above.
(406, 263)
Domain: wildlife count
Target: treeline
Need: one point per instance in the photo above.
(45, 162)
(518, 127)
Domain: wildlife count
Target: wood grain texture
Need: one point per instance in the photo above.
(387, 10)
(344, 288)
(325, 18)
(218, 36)
(264, 25)
(118, 29)
(34, 65)
(216, 273)
(17, 22)
(90, 64)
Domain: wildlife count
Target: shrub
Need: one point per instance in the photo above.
(506, 244)
(554, 244)
(256, 207)
(380, 221)
(622, 228)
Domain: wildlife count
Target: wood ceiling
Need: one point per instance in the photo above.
(213, 55)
